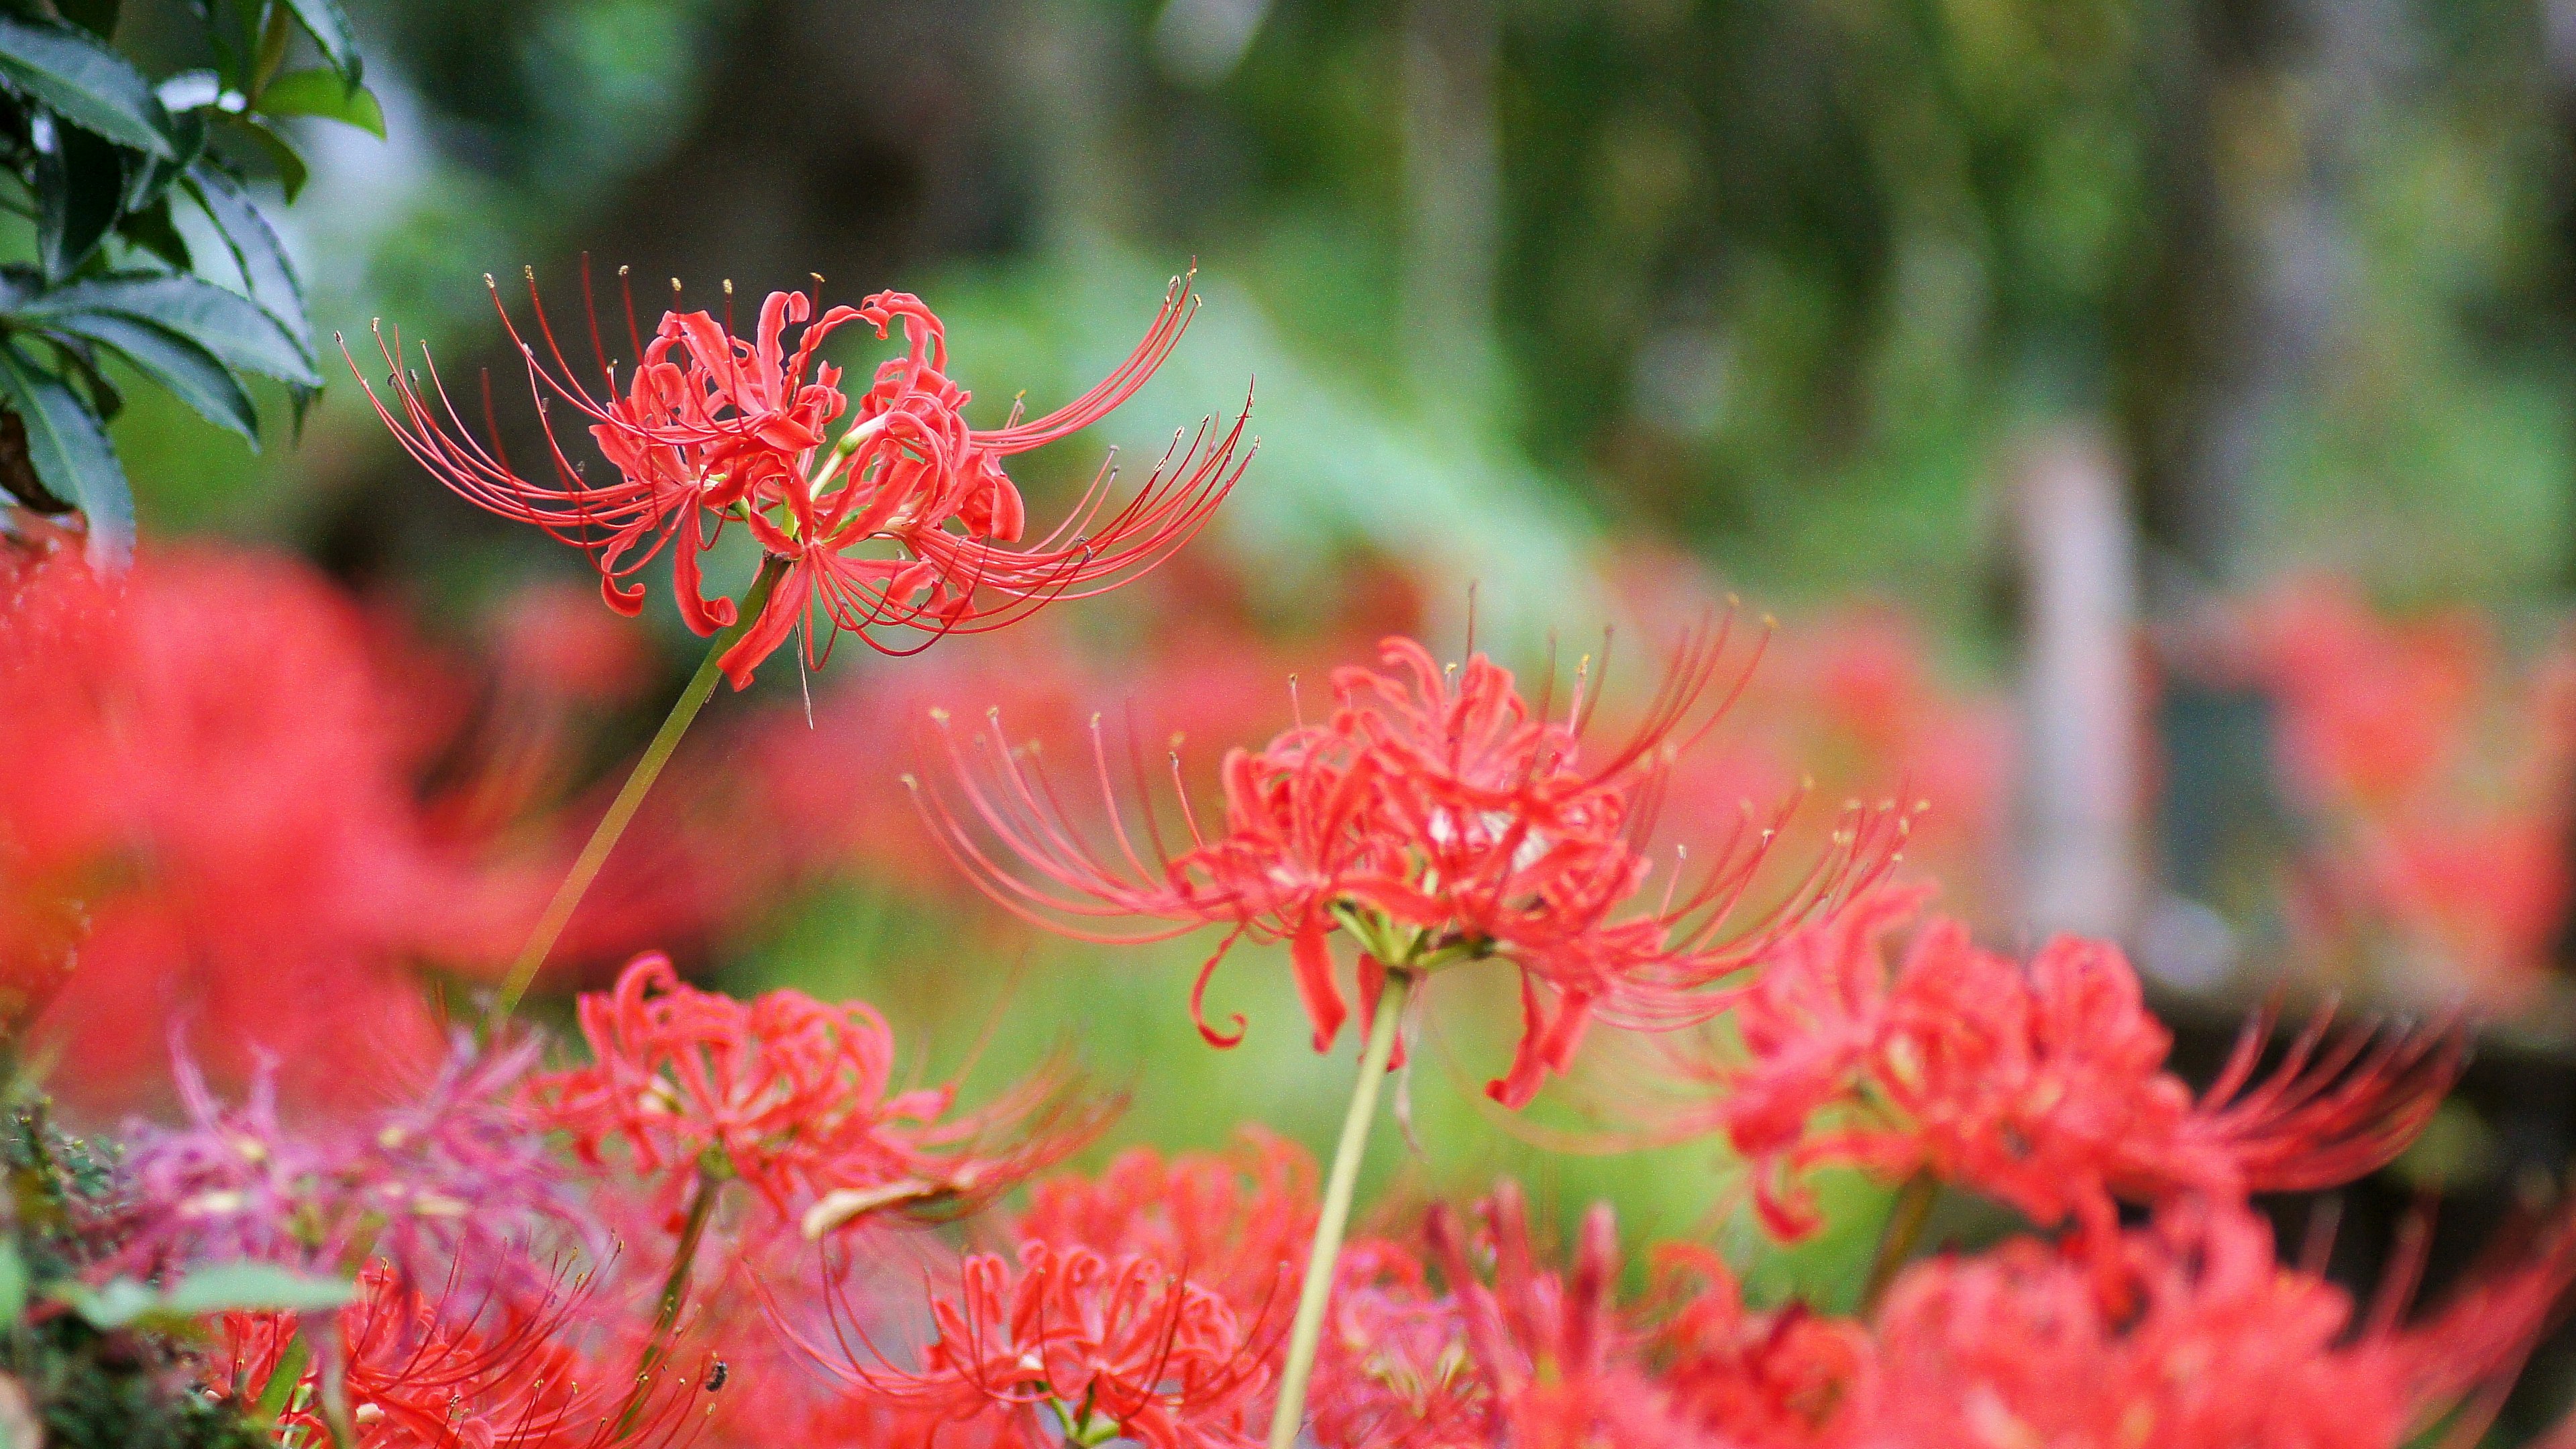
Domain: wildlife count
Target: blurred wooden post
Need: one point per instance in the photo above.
(2079, 684)
(1453, 205)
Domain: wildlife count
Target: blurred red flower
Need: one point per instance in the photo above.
(2043, 1086)
(212, 809)
(2204, 1341)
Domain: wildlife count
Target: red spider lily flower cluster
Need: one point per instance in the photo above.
(416, 1378)
(1086, 1345)
(2209, 1341)
(903, 521)
(2201, 1339)
(2437, 859)
(1147, 1302)
(213, 803)
(795, 1098)
(1436, 816)
(2043, 1085)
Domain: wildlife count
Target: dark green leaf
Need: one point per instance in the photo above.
(328, 24)
(250, 1287)
(227, 324)
(150, 179)
(320, 93)
(69, 450)
(153, 231)
(251, 138)
(80, 188)
(255, 248)
(86, 83)
(98, 17)
(190, 372)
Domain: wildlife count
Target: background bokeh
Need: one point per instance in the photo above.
(2154, 426)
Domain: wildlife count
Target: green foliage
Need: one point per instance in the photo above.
(102, 154)
(111, 1373)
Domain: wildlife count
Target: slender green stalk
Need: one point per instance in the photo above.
(630, 797)
(1906, 1219)
(675, 1290)
(1308, 1330)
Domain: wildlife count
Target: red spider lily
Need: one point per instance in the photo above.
(1787, 1379)
(214, 797)
(1556, 1364)
(1231, 1222)
(1073, 1345)
(2043, 1086)
(906, 521)
(2204, 1342)
(796, 1098)
(416, 1379)
(1393, 1371)
(1437, 817)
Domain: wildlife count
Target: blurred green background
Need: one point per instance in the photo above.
(1534, 290)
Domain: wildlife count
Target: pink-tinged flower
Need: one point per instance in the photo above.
(904, 521)
(453, 1185)
(2204, 1341)
(1393, 1371)
(1557, 1364)
(1070, 1344)
(794, 1097)
(214, 806)
(2043, 1086)
(1435, 817)
(1233, 1222)
(420, 1376)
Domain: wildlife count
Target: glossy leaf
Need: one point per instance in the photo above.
(85, 83)
(80, 190)
(252, 137)
(153, 231)
(255, 1287)
(254, 245)
(225, 323)
(190, 372)
(329, 26)
(68, 447)
(321, 93)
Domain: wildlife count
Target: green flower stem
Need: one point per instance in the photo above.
(630, 798)
(1308, 1330)
(1906, 1219)
(675, 1290)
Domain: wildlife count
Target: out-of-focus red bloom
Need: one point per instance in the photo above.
(213, 796)
(2043, 1086)
(796, 1098)
(1557, 1364)
(1437, 817)
(2205, 1341)
(2437, 856)
(1232, 1222)
(1791, 1378)
(2370, 709)
(1068, 1342)
(418, 1379)
(905, 521)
